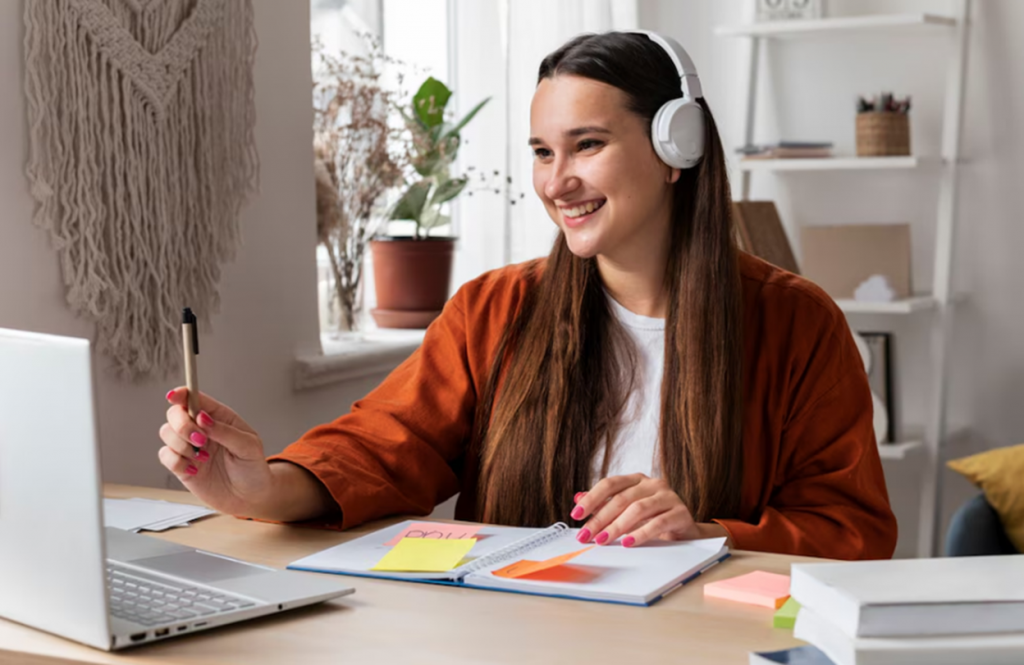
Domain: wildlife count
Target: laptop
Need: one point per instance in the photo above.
(61, 571)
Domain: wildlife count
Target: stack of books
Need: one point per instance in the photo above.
(936, 611)
(787, 150)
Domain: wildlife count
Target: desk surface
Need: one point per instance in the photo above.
(396, 622)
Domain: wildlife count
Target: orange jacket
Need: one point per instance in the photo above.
(812, 482)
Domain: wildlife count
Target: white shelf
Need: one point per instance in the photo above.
(838, 163)
(904, 306)
(832, 25)
(897, 451)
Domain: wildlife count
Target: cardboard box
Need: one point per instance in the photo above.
(841, 258)
(760, 232)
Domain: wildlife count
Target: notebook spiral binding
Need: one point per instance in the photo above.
(517, 548)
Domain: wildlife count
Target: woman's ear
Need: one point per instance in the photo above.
(673, 175)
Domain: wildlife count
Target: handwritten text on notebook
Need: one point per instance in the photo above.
(436, 531)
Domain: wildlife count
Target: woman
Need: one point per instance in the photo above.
(646, 379)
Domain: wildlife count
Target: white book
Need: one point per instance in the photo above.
(950, 596)
(611, 573)
(999, 649)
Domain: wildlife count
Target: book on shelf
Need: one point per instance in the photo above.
(610, 573)
(787, 150)
(916, 597)
(991, 649)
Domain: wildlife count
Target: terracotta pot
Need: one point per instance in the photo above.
(412, 278)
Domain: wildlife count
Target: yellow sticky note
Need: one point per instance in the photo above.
(425, 555)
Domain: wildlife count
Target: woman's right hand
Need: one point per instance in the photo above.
(229, 472)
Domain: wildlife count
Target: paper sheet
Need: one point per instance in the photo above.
(146, 514)
(425, 555)
(527, 567)
(436, 531)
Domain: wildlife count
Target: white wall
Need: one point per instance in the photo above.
(808, 91)
(269, 308)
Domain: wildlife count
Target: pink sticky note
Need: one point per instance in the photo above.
(756, 588)
(436, 530)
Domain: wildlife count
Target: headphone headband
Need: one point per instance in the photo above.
(689, 82)
(677, 129)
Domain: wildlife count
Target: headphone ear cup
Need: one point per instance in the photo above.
(677, 133)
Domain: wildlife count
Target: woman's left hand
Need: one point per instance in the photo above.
(638, 509)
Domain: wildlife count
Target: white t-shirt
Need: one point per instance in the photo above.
(636, 444)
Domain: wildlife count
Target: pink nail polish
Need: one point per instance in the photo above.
(583, 536)
(191, 470)
(202, 455)
(577, 512)
(197, 438)
(602, 538)
(170, 396)
(576, 499)
(628, 541)
(204, 419)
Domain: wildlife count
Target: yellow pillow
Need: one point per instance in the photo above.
(1000, 475)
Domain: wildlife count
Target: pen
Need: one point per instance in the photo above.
(190, 347)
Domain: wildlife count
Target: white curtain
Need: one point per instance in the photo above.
(500, 44)
(536, 28)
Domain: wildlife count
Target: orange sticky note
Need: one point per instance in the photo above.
(756, 588)
(527, 567)
(436, 531)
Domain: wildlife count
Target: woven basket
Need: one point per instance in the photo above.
(882, 134)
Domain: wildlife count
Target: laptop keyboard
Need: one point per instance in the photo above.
(151, 600)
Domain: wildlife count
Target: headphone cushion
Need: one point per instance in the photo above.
(677, 133)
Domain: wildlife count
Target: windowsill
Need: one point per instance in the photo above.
(348, 356)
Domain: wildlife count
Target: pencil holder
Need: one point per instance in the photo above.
(883, 134)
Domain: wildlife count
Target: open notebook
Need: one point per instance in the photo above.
(612, 573)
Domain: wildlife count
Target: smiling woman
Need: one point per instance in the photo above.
(646, 379)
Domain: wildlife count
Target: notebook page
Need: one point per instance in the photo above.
(359, 556)
(636, 575)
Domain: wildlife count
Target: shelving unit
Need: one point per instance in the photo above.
(904, 306)
(939, 303)
(897, 451)
(839, 164)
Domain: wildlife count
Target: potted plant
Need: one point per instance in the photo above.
(412, 274)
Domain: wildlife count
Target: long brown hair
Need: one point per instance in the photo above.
(564, 366)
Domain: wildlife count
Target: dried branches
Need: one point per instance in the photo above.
(360, 156)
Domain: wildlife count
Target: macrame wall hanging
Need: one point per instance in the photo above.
(142, 152)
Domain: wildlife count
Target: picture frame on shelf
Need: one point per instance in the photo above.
(786, 10)
(881, 376)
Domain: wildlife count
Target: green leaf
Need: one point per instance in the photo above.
(430, 100)
(454, 131)
(433, 218)
(448, 190)
(410, 206)
(430, 164)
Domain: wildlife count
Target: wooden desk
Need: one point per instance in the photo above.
(401, 622)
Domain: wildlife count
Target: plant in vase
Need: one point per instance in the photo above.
(359, 156)
(412, 273)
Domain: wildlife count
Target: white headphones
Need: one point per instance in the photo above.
(677, 130)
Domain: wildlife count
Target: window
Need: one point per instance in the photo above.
(415, 32)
